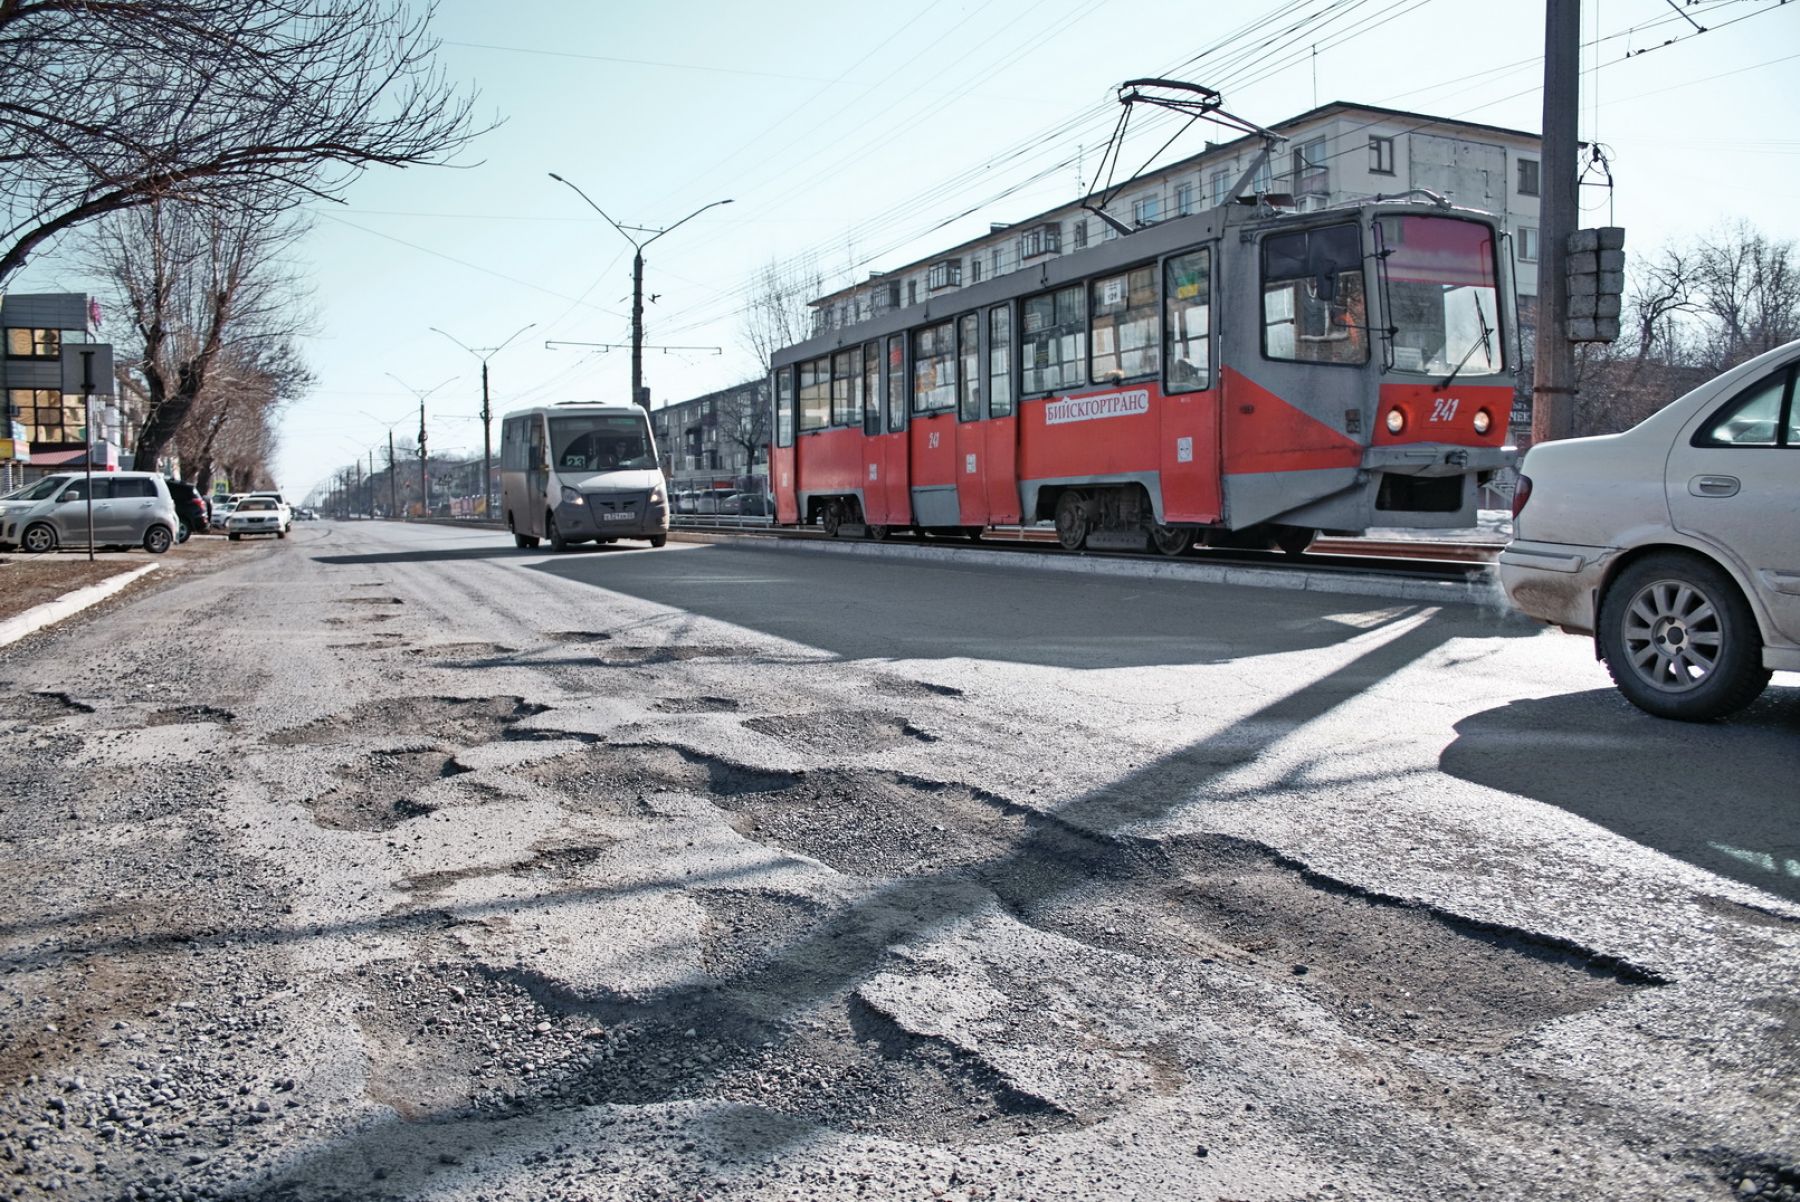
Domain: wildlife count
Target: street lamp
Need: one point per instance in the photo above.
(487, 441)
(424, 497)
(637, 283)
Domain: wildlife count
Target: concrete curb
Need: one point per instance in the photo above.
(67, 605)
(1484, 592)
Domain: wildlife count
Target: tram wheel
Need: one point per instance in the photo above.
(1293, 540)
(832, 519)
(1172, 540)
(972, 533)
(1071, 520)
(878, 533)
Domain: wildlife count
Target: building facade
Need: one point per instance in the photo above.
(718, 442)
(47, 427)
(1339, 153)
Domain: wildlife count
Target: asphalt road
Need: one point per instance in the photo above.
(394, 862)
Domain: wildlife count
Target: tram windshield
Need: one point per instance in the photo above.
(1442, 294)
(599, 444)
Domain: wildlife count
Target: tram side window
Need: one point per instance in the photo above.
(934, 368)
(896, 382)
(1000, 397)
(1124, 325)
(1053, 344)
(846, 388)
(1187, 312)
(1313, 306)
(968, 376)
(871, 363)
(784, 407)
(815, 394)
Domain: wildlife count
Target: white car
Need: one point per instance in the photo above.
(257, 515)
(1675, 544)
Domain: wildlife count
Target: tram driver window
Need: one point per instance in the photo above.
(1124, 325)
(1053, 344)
(1187, 309)
(1313, 304)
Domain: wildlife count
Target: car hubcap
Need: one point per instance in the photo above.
(1673, 636)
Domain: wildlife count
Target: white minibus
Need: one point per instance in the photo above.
(576, 472)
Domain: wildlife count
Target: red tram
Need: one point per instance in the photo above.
(1242, 376)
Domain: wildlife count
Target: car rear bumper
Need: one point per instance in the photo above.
(1558, 583)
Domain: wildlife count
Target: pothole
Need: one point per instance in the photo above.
(697, 705)
(370, 601)
(460, 720)
(382, 792)
(899, 686)
(619, 778)
(180, 715)
(581, 636)
(646, 657)
(839, 730)
(558, 861)
(43, 706)
(462, 651)
(1398, 971)
(745, 927)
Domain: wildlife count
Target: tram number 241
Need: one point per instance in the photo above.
(1444, 409)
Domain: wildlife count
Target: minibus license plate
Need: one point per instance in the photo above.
(617, 517)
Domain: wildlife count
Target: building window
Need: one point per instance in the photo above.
(893, 295)
(1309, 167)
(1107, 232)
(1040, 240)
(1184, 199)
(1080, 228)
(1053, 343)
(1381, 155)
(974, 269)
(998, 259)
(947, 274)
(1124, 325)
(22, 343)
(912, 292)
(1528, 244)
(934, 368)
(1528, 177)
(1221, 186)
(1146, 210)
(48, 416)
(1187, 321)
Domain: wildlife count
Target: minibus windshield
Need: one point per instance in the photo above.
(599, 444)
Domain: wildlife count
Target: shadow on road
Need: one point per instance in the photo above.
(1593, 755)
(452, 554)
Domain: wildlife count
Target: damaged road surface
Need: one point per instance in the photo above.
(441, 869)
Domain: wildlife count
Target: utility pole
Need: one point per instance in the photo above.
(424, 497)
(487, 417)
(637, 282)
(371, 484)
(1553, 381)
(393, 481)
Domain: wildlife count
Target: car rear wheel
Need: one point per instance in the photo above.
(554, 533)
(157, 539)
(38, 539)
(183, 533)
(1679, 639)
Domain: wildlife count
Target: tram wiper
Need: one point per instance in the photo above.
(1487, 335)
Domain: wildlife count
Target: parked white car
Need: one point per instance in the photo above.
(257, 515)
(1676, 544)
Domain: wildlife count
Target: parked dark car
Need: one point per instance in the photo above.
(746, 504)
(191, 508)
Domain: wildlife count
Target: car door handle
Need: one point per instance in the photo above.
(1714, 486)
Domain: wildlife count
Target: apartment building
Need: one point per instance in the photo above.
(46, 426)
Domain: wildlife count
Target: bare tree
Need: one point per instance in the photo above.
(114, 104)
(779, 314)
(744, 419)
(201, 286)
(239, 411)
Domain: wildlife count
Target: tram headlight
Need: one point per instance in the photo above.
(1396, 421)
(1483, 421)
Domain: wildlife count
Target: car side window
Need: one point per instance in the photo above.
(1751, 419)
(134, 487)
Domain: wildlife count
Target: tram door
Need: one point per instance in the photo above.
(782, 457)
(892, 485)
(874, 498)
(931, 431)
(1189, 420)
(971, 429)
(1001, 466)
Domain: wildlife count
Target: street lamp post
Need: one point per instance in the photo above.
(487, 441)
(637, 282)
(424, 496)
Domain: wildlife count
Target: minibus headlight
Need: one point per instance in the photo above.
(571, 496)
(1396, 421)
(1483, 420)
(656, 495)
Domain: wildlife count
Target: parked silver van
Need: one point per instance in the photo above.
(131, 509)
(576, 473)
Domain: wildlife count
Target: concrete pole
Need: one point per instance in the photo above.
(487, 447)
(637, 330)
(393, 480)
(1553, 383)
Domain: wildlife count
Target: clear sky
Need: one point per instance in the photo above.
(860, 137)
